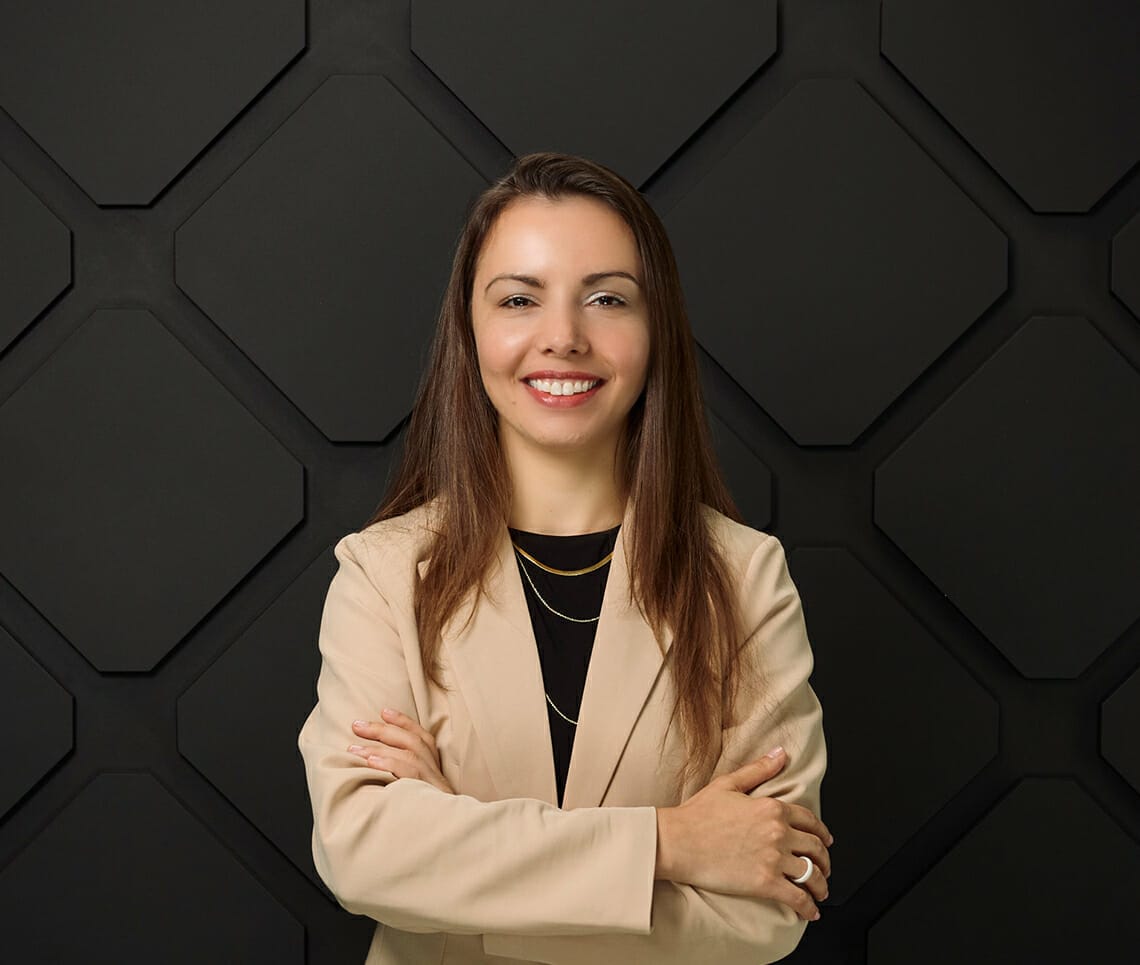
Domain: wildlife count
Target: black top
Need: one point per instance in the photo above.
(564, 647)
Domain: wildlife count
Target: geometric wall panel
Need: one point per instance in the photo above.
(912, 746)
(1120, 730)
(35, 255)
(324, 257)
(123, 96)
(31, 702)
(829, 261)
(136, 492)
(1126, 265)
(1047, 849)
(126, 874)
(1017, 497)
(748, 479)
(580, 78)
(1047, 93)
(238, 695)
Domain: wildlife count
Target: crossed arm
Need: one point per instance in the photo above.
(539, 883)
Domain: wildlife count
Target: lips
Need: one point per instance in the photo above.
(563, 376)
(561, 402)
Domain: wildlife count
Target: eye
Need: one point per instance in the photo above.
(617, 298)
(505, 302)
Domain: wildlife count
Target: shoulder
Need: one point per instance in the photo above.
(393, 547)
(739, 543)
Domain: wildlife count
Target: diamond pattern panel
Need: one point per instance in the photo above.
(1046, 847)
(852, 263)
(236, 696)
(916, 742)
(138, 878)
(29, 697)
(748, 479)
(35, 250)
(588, 77)
(1020, 543)
(126, 94)
(324, 258)
(1120, 725)
(1126, 265)
(137, 491)
(838, 179)
(1047, 93)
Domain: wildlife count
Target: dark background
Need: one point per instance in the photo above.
(910, 243)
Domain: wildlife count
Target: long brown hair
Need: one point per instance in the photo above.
(678, 576)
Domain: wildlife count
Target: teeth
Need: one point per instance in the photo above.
(563, 388)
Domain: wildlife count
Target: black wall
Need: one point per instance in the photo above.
(909, 234)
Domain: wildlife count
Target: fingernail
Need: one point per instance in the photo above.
(388, 712)
(359, 723)
(815, 917)
(775, 752)
(355, 748)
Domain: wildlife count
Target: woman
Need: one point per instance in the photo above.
(554, 660)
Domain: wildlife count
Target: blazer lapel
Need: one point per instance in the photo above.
(496, 666)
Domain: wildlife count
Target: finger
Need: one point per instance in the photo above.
(804, 819)
(409, 723)
(803, 842)
(793, 866)
(746, 777)
(391, 734)
(381, 762)
(797, 898)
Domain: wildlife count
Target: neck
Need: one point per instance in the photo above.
(563, 493)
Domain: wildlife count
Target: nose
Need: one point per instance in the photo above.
(562, 332)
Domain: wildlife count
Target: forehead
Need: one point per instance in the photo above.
(536, 234)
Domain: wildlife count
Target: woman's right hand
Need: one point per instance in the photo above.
(723, 840)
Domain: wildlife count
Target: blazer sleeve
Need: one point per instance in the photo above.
(690, 924)
(419, 859)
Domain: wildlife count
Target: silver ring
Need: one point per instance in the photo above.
(807, 874)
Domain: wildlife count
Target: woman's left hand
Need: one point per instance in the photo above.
(406, 749)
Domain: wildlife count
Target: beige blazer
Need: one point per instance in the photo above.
(497, 872)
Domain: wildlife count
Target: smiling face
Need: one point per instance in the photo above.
(563, 345)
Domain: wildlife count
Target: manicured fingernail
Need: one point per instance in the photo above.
(388, 712)
(359, 723)
(775, 752)
(815, 917)
(355, 748)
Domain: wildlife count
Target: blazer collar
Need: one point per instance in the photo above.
(496, 666)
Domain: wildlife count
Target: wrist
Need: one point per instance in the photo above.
(666, 867)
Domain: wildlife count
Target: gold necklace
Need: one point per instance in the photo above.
(583, 572)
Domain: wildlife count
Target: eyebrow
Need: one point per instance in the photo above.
(586, 279)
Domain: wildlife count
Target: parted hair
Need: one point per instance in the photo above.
(666, 468)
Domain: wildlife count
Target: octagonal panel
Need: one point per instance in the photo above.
(326, 255)
(1120, 726)
(1126, 265)
(35, 250)
(126, 467)
(1017, 497)
(619, 81)
(29, 697)
(125, 874)
(917, 744)
(236, 696)
(124, 96)
(828, 261)
(1047, 93)
(1045, 877)
(748, 479)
